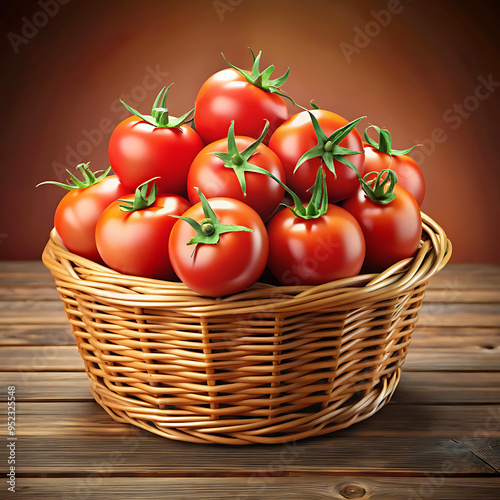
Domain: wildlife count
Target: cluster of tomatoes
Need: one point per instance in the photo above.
(244, 192)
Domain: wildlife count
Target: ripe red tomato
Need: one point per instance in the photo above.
(235, 94)
(143, 147)
(392, 231)
(136, 242)
(76, 215)
(315, 251)
(297, 136)
(217, 177)
(408, 172)
(380, 156)
(139, 151)
(228, 266)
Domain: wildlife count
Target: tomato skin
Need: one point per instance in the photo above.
(76, 215)
(296, 136)
(315, 251)
(209, 174)
(139, 151)
(227, 96)
(136, 243)
(392, 231)
(229, 266)
(408, 172)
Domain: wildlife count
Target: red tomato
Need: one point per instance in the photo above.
(77, 213)
(228, 96)
(315, 251)
(229, 266)
(392, 231)
(139, 151)
(136, 243)
(408, 172)
(297, 136)
(209, 173)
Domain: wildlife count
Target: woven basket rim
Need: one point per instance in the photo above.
(112, 287)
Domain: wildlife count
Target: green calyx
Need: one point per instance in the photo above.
(328, 148)
(141, 199)
(238, 160)
(209, 229)
(89, 178)
(384, 144)
(318, 205)
(159, 114)
(263, 79)
(381, 188)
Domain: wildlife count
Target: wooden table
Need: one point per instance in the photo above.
(438, 438)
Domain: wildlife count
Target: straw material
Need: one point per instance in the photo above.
(269, 365)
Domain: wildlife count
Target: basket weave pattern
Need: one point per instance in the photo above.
(269, 365)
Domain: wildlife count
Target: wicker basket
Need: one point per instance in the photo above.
(270, 365)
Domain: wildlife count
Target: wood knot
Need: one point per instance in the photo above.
(352, 491)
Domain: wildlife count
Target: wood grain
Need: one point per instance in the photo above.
(36, 335)
(29, 291)
(67, 358)
(46, 386)
(453, 359)
(79, 419)
(420, 388)
(96, 487)
(40, 358)
(136, 452)
(448, 388)
(432, 314)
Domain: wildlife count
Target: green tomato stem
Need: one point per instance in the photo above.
(384, 144)
(159, 113)
(89, 178)
(263, 80)
(381, 189)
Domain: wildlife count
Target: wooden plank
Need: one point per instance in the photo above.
(459, 270)
(456, 282)
(463, 359)
(459, 315)
(36, 335)
(447, 388)
(32, 313)
(463, 295)
(47, 291)
(414, 387)
(369, 447)
(46, 386)
(29, 292)
(133, 452)
(13, 278)
(483, 338)
(483, 446)
(67, 358)
(98, 486)
(457, 277)
(432, 314)
(10, 267)
(43, 358)
(75, 420)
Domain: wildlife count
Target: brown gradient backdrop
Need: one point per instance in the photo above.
(64, 82)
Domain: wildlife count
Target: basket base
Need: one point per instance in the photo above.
(247, 431)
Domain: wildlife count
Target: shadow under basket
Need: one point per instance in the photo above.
(269, 365)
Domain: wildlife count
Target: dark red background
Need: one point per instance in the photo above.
(413, 73)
